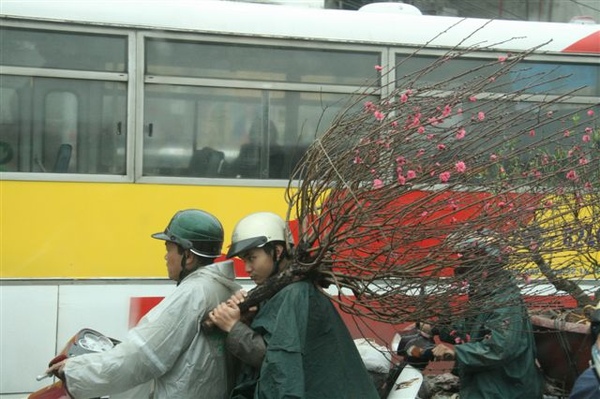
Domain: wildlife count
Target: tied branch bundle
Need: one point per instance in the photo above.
(406, 173)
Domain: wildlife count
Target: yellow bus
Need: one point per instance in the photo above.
(114, 115)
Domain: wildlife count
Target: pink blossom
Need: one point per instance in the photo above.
(548, 204)
(379, 115)
(357, 159)
(472, 99)
(572, 175)
(421, 130)
(583, 161)
(502, 59)
(532, 133)
(401, 180)
(403, 98)
(460, 167)
(590, 112)
(378, 68)
(420, 152)
(395, 124)
(424, 213)
(588, 130)
(493, 157)
(567, 133)
(416, 121)
(444, 177)
(369, 106)
(586, 138)
(588, 185)
(447, 111)
(400, 160)
(430, 136)
(411, 174)
(461, 133)
(434, 121)
(441, 147)
(481, 115)
(459, 111)
(377, 183)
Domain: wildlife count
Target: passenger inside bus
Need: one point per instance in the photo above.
(206, 162)
(261, 156)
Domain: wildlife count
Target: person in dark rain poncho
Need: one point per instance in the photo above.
(495, 349)
(297, 345)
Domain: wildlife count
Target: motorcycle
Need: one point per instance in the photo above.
(398, 371)
(401, 379)
(85, 341)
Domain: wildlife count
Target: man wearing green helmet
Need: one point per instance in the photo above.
(167, 345)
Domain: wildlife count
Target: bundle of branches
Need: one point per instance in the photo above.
(396, 183)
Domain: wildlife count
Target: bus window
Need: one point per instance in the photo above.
(531, 77)
(74, 51)
(59, 141)
(9, 125)
(64, 125)
(245, 62)
(257, 134)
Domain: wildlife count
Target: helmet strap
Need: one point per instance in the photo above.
(185, 271)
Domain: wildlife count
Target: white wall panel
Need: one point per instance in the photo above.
(27, 335)
(102, 307)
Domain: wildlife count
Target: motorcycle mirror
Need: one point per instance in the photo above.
(395, 342)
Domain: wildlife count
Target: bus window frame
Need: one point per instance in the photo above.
(136, 80)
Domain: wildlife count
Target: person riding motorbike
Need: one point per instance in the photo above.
(587, 385)
(167, 345)
(297, 344)
(495, 353)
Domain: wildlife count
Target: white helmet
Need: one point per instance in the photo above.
(257, 229)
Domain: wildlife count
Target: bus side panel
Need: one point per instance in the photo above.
(88, 230)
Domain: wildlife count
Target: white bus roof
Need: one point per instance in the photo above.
(251, 19)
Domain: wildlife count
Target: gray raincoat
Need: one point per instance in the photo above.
(166, 346)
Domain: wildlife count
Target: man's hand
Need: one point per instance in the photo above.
(443, 352)
(225, 315)
(57, 369)
(238, 298)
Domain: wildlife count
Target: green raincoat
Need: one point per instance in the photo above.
(498, 359)
(310, 353)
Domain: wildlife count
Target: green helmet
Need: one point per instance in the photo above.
(196, 230)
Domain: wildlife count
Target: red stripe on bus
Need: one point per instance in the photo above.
(589, 44)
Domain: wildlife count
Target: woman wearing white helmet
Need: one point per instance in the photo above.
(297, 344)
